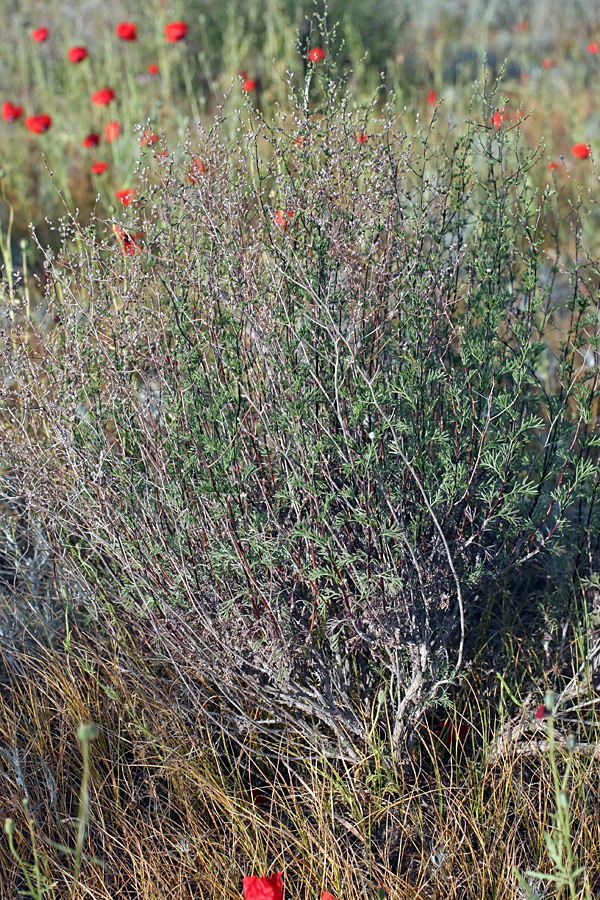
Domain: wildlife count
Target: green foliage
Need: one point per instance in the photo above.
(311, 419)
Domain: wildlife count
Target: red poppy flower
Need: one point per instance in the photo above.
(281, 218)
(147, 138)
(175, 31)
(38, 124)
(92, 140)
(548, 63)
(521, 26)
(249, 85)
(581, 151)
(40, 35)
(112, 131)
(432, 98)
(542, 712)
(103, 97)
(197, 167)
(11, 113)
(126, 31)
(553, 167)
(129, 243)
(153, 69)
(497, 119)
(326, 896)
(316, 55)
(448, 734)
(263, 888)
(99, 167)
(300, 140)
(592, 47)
(125, 197)
(361, 137)
(77, 54)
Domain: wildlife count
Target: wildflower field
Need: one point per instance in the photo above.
(300, 540)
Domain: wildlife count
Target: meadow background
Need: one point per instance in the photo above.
(299, 450)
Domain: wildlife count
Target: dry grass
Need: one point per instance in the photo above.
(175, 812)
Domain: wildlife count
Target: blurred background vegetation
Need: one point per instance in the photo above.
(542, 47)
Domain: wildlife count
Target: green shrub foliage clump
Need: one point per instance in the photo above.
(303, 414)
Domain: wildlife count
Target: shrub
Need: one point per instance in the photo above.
(303, 415)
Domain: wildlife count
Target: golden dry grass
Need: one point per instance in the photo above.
(175, 812)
